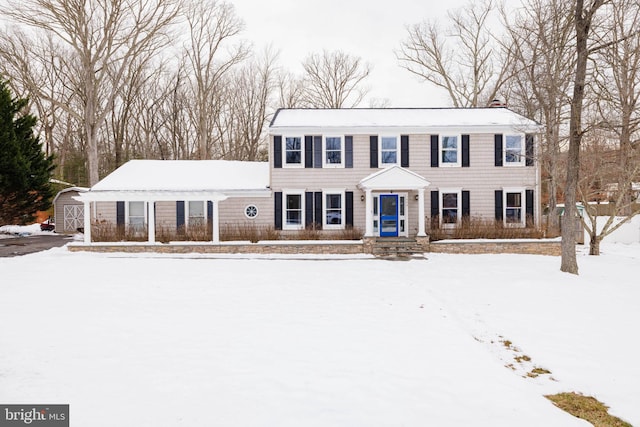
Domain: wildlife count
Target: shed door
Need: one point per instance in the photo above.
(73, 217)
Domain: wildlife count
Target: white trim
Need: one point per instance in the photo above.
(284, 153)
(522, 154)
(398, 153)
(324, 152)
(285, 194)
(458, 192)
(458, 162)
(341, 193)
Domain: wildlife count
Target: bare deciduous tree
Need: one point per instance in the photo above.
(583, 19)
(333, 79)
(462, 60)
(212, 26)
(106, 37)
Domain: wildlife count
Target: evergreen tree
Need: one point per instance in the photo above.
(24, 168)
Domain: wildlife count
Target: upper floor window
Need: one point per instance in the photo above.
(293, 151)
(389, 150)
(333, 151)
(450, 150)
(514, 150)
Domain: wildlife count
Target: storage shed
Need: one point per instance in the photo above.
(68, 213)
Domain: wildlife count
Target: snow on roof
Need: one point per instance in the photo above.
(401, 117)
(186, 175)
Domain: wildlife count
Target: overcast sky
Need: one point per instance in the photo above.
(371, 29)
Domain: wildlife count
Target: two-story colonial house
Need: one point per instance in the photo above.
(385, 171)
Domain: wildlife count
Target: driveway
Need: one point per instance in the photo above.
(15, 246)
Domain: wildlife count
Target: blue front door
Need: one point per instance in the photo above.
(388, 215)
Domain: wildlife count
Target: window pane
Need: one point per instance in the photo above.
(334, 201)
(450, 200)
(294, 217)
(449, 157)
(389, 157)
(196, 209)
(333, 143)
(514, 200)
(334, 157)
(293, 143)
(450, 142)
(136, 209)
(389, 143)
(514, 141)
(294, 201)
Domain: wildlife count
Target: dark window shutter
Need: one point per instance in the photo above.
(373, 151)
(530, 206)
(465, 151)
(119, 213)
(180, 213)
(317, 207)
(317, 151)
(498, 149)
(277, 209)
(308, 208)
(348, 151)
(404, 151)
(209, 213)
(308, 151)
(348, 208)
(499, 215)
(277, 151)
(435, 203)
(466, 207)
(529, 149)
(434, 151)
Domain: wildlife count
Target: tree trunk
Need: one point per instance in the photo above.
(594, 245)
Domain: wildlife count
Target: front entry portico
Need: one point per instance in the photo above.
(386, 205)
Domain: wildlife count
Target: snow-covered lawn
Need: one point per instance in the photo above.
(153, 340)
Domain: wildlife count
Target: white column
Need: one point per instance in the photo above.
(87, 222)
(368, 217)
(421, 231)
(152, 222)
(216, 223)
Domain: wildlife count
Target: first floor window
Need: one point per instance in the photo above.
(333, 210)
(513, 208)
(196, 213)
(389, 150)
(293, 211)
(136, 215)
(449, 208)
(513, 150)
(293, 150)
(333, 151)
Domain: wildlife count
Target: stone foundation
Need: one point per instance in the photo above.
(531, 247)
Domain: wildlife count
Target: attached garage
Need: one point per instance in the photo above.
(68, 213)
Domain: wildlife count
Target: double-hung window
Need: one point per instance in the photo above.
(293, 151)
(451, 201)
(333, 209)
(450, 150)
(333, 151)
(196, 213)
(389, 150)
(514, 209)
(293, 210)
(514, 150)
(136, 215)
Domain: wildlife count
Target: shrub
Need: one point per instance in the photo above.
(480, 228)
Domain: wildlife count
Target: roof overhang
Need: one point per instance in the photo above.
(394, 178)
(161, 195)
